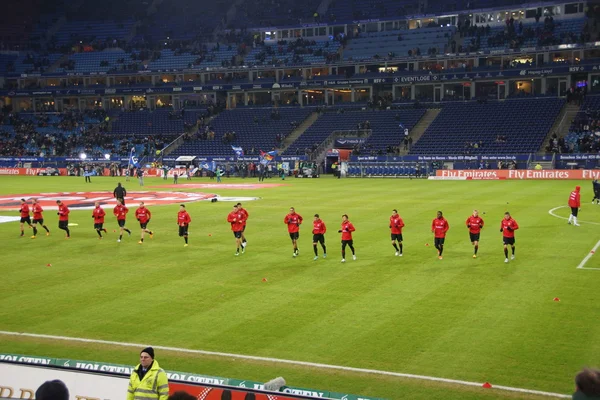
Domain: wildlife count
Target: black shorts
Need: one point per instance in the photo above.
(144, 224)
(63, 224)
(574, 211)
(508, 241)
(318, 238)
(38, 221)
(347, 242)
(121, 223)
(26, 220)
(237, 234)
(439, 241)
(98, 226)
(474, 237)
(396, 236)
(183, 230)
(294, 235)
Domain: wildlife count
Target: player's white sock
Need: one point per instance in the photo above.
(570, 218)
(575, 221)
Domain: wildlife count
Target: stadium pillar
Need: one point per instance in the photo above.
(352, 94)
(472, 90)
(300, 98)
(543, 88)
(412, 91)
(245, 98)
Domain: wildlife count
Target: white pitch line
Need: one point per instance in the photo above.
(586, 258)
(591, 253)
(284, 361)
(551, 212)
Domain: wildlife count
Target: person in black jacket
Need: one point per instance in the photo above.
(119, 193)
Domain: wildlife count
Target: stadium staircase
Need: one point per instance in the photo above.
(562, 123)
(321, 152)
(296, 133)
(420, 128)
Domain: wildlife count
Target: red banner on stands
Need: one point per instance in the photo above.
(484, 174)
(216, 393)
(33, 171)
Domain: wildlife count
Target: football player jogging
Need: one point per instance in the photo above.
(475, 225)
(508, 226)
(346, 231)
(143, 215)
(63, 218)
(120, 211)
(574, 203)
(293, 222)
(183, 220)
(25, 219)
(319, 230)
(235, 218)
(245, 213)
(396, 225)
(439, 227)
(98, 214)
(38, 218)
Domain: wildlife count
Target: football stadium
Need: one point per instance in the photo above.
(275, 200)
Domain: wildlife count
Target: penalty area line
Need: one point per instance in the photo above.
(587, 258)
(284, 361)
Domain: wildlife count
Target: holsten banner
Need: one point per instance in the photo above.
(21, 375)
(478, 174)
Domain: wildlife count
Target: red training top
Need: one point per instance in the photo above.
(439, 226)
(509, 223)
(24, 210)
(63, 212)
(347, 229)
(293, 222)
(319, 227)
(236, 219)
(143, 215)
(396, 224)
(575, 199)
(120, 212)
(37, 211)
(183, 218)
(474, 224)
(245, 214)
(98, 215)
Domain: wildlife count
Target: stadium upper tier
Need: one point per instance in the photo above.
(411, 42)
(507, 127)
(74, 32)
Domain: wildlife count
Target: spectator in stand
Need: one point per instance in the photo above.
(52, 390)
(587, 385)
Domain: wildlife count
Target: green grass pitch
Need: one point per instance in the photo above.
(460, 318)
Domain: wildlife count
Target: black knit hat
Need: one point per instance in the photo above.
(148, 350)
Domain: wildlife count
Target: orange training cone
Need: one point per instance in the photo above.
(264, 279)
(556, 299)
(48, 265)
(487, 385)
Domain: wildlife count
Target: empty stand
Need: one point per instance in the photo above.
(369, 45)
(260, 134)
(505, 127)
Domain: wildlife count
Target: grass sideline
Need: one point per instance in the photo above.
(459, 318)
